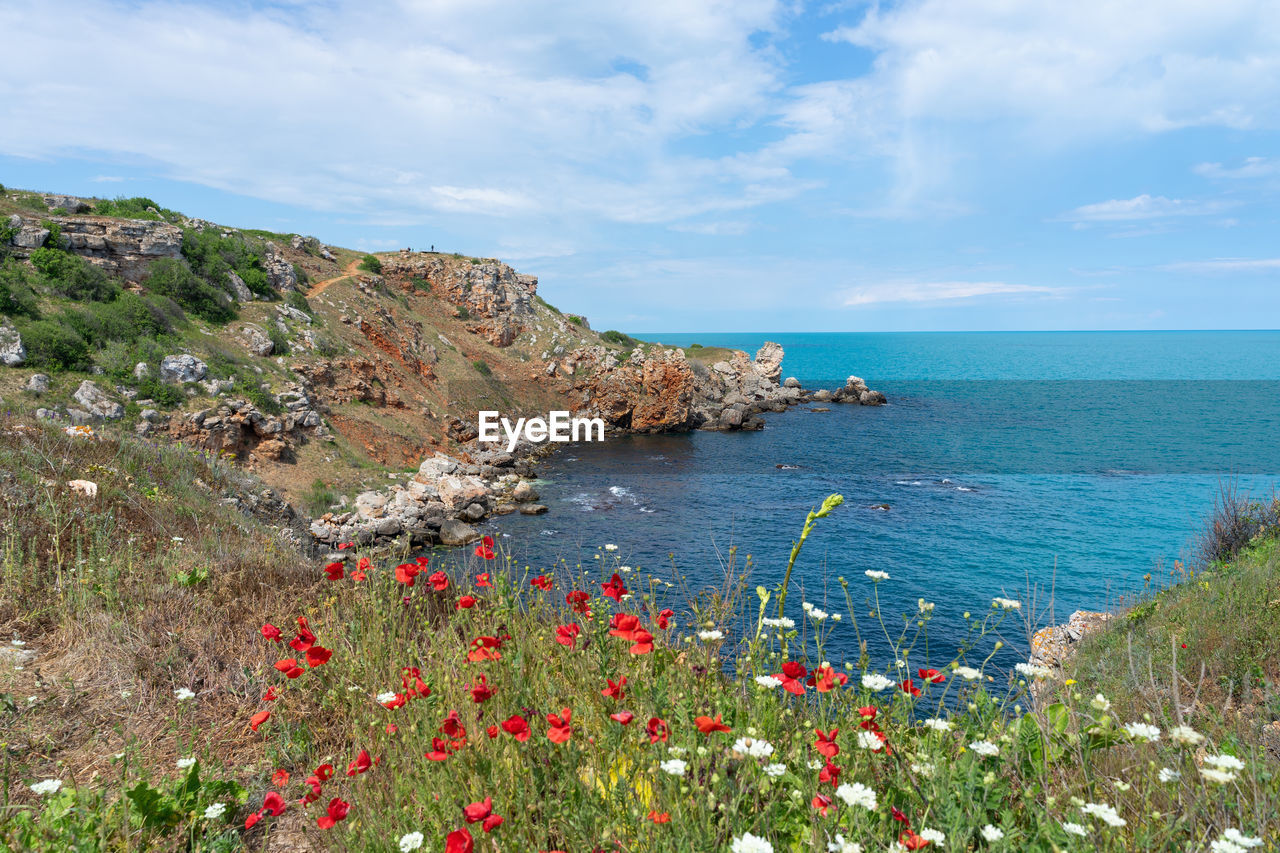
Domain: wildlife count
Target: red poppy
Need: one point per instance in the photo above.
(910, 841)
(280, 778)
(271, 632)
(407, 573)
(485, 548)
(830, 773)
(318, 656)
(706, 725)
(826, 743)
(271, 694)
(868, 714)
(304, 639)
(664, 618)
(439, 581)
(614, 588)
(909, 686)
(492, 822)
(466, 602)
(459, 841)
(453, 727)
(362, 763)
(658, 730)
(663, 817)
(392, 728)
(334, 571)
(932, 676)
(272, 804)
(337, 811)
(579, 601)
(398, 701)
(258, 719)
(560, 729)
(324, 772)
(517, 727)
(289, 667)
(358, 575)
(821, 803)
(542, 582)
(643, 643)
(439, 750)
(484, 648)
(342, 546)
(364, 564)
(422, 561)
(480, 691)
(419, 686)
(615, 690)
(567, 635)
(624, 717)
(477, 812)
(483, 580)
(627, 626)
(492, 731)
(897, 815)
(790, 677)
(826, 679)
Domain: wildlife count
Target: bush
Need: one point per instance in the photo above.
(172, 278)
(54, 345)
(17, 291)
(74, 277)
(138, 207)
(462, 313)
(294, 299)
(482, 367)
(576, 319)
(127, 319)
(319, 498)
(213, 256)
(613, 336)
(279, 338)
(370, 263)
(1234, 523)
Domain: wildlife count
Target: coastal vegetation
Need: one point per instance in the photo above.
(178, 676)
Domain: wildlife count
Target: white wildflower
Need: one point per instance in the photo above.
(1144, 731)
(1074, 829)
(840, 845)
(749, 843)
(1237, 837)
(775, 770)
(184, 763)
(673, 766)
(182, 694)
(992, 833)
(610, 547)
(1168, 774)
(1006, 603)
(215, 811)
(1213, 774)
(924, 769)
(806, 606)
(1031, 670)
(768, 681)
(925, 606)
(410, 841)
(968, 673)
(753, 748)
(938, 725)
(1185, 736)
(48, 786)
(384, 698)
(933, 836)
(781, 622)
(1100, 703)
(677, 750)
(876, 681)
(1223, 845)
(867, 740)
(1106, 813)
(710, 636)
(876, 575)
(817, 764)
(818, 615)
(857, 794)
(1224, 762)
(985, 748)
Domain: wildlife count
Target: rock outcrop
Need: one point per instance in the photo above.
(12, 351)
(122, 247)
(180, 369)
(494, 295)
(1051, 646)
(97, 404)
(239, 429)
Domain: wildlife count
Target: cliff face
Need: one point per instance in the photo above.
(122, 247)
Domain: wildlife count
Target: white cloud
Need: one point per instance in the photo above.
(1140, 207)
(936, 291)
(1225, 265)
(106, 179)
(1252, 167)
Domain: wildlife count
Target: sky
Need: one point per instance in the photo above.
(702, 165)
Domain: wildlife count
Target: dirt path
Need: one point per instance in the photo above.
(348, 271)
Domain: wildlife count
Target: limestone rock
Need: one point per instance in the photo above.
(12, 352)
(791, 382)
(68, 203)
(768, 362)
(524, 492)
(532, 509)
(37, 384)
(280, 272)
(96, 403)
(456, 491)
(371, 504)
(238, 289)
(177, 369)
(454, 532)
(255, 340)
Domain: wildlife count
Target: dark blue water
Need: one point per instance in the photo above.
(1074, 462)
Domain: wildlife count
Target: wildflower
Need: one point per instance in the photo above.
(459, 841)
(825, 679)
(567, 635)
(362, 763)
(272, 804)
(385, 698)
(480, 691)
(258, 719)
(1143, 731)
(358, 575)
(876, 575)
(280, 778)
(466, 602)
(407, 573)
(840, 845)
(781, 622)
(318, 656)
(439, 581)
(830, 774)
(968, 673)
(624, 717)
(673, 766)
(857, 794)
(482, 580)
(614, 588)
(411, 841)
(658, 730)
(868, 740)
(485, 648)
(579, 601)
(1100, 703)
(992, 833)
(818, 615)
(1031, 670)
(1239, 839)
(1107, 814)
(485, 548)
(710, 636)
(768, 681)
(909, 687)
(821, 804)
(1168, 774)
(706, 725)
(1185, 736)
(656, 817)
(1074, 829)
(46, 787)
(664, 618)
(925, 769)
(752, 747)
(790, 676)
(934, 836)
(749, 843)
(542, 582)
(931, 676)
(272, 633)
(304, 638)
(984, 748)
(774, 770)
(826, 743)
(184, 763)
(215, 811)
(334, 571)
(439, 750)
(876, 681)
(615, 690)
(1224, 762)
(517, 727)
(938, 725)
(909, 840)
(182, 694)
(1214, 774)
(1006, 603)
(482, 813)
(560, 729)
(610, 547)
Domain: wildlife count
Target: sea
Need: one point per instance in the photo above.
(1066, 470)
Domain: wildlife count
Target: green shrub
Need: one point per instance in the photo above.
(17, 291)
(174, 279)
(482, 367)
(213, 256)
(420, 285)
(613, 336)
(126, 319)
(254, 392)
(138, 207)
(54, 345)
(279, 338)
(462, 313)
(319, 498)
(370, 263)
(576, 319)
(166, 396)
(294, 299)
(74, 277)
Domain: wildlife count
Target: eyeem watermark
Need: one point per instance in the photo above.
(559, 426)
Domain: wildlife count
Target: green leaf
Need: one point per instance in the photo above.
(153, 807)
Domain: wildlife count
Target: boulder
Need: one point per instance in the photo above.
(12, 352)
(96, 403)
(30, 237)
(791, 382)
(532, 509)
(473, 512)
(822, 396)
(454, 532)
(177, 369)
(37, 384)
(524, 492)
(768, 362)
(141, 370)
(731, 418)
(371, 505)
(255, 340)
(458, 491)
(238, 289)
(291, 313)
(280, 272)
(69, 203)
(435, 467)
(871, 398)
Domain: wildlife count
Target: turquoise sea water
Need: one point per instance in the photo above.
(1075, 462)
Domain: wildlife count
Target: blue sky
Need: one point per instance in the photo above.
(698, 165)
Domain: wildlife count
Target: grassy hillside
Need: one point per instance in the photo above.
(490, 705)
